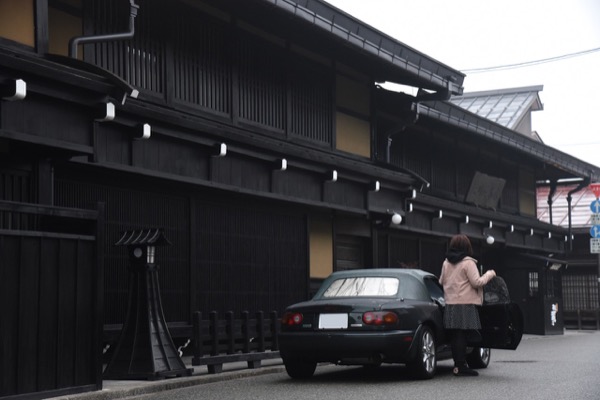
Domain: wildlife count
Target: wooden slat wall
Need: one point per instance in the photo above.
(202, 71)
(128, 208)
(47, 332)
(249, 259)
(261, 83)
(192, 61)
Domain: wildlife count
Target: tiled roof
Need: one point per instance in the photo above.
(506, 107)
(581, 213)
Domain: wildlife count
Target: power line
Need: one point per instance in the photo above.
(530, 63)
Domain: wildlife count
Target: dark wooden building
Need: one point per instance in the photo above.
(256, 135)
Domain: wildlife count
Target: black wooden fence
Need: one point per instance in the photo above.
(50, 292)
(218, 341)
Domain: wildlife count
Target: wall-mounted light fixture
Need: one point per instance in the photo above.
(490, 225)
(221, 150)
(15, 89)
(414, 194)
(440, 214)
(281, 164)
(144, 132)
(466, 219)
(332, 176)
(375, 186)
(106, 112)
(410, 207)
(489, 239)
(549, 235)
(395, 218)
(531, 232)
(512, 228)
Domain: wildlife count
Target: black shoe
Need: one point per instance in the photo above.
(464, 371)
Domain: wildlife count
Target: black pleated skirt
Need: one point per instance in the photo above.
(461, 316)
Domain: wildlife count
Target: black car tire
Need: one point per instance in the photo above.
(299, 369)
(479, 358)
(424, 365)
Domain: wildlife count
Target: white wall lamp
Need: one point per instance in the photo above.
(15, 89)
(531, 232)
(489, 239)
(144, 132)
(375, 186)
(466, 219)
(490, 225)
(410, 207)
(333, 176)
(549, 235)
(221, 150)
(440, 214)
(282, 164)
(511, 229)
(106, 112)
(395, 219)
(414, 194)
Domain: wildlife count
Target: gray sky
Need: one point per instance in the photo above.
(468, 34)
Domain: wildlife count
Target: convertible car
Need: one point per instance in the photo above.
(374, 316)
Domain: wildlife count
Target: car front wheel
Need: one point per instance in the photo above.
(479, 357)
(299, 369)
(424, 365)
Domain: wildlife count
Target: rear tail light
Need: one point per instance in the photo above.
(292, 318)
(380, 318)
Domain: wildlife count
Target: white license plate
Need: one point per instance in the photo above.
(333, 321)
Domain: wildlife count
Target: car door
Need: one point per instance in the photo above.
(501, 326)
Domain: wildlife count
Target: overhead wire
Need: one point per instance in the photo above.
(530, 63)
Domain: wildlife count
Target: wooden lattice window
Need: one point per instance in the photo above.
(261, 82)
(202, 70)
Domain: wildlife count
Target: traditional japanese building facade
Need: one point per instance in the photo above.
(257, 136)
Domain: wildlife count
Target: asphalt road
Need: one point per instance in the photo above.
(543, 367)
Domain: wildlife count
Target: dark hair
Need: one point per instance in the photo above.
(461, 243)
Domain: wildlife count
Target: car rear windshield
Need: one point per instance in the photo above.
(362, 286)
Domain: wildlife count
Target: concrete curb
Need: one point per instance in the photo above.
(124, 389)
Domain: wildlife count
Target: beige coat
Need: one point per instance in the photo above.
(462, 283)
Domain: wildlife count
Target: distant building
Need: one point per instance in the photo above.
(565, 203)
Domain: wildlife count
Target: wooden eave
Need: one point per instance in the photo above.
(557, 165)
(183, 126)
(62, 77)
(323, 27)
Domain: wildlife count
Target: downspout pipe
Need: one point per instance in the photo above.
(583, 184)
(414, 111)
(442, 95)
(550, 199)
(76, 41)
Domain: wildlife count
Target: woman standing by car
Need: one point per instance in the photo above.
(463, 292)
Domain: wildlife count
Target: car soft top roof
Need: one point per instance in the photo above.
(413, 272)
(411, 286)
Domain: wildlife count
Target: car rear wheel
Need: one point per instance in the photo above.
(479, 357)
(299, 369)
(424, 364)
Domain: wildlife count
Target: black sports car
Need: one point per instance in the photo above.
(375, 316)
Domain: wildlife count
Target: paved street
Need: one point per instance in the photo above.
(544, 367)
